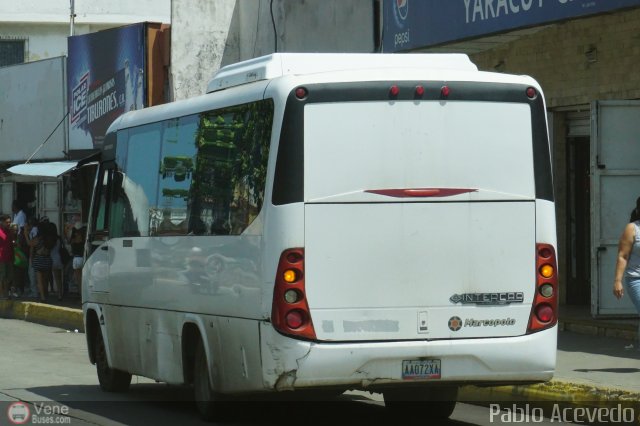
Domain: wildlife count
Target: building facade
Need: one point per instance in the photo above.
(34, 124)
(32, 30)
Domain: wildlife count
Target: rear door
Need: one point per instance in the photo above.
(419, 219)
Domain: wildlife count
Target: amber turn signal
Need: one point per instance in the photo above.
(546, 271)
(290, 276)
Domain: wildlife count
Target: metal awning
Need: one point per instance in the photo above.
(51, 169)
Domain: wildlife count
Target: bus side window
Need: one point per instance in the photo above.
(100, 227)
(122, 221)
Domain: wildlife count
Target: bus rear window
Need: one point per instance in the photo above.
(355, 146)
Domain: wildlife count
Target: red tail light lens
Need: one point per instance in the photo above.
(545, 301)
(295, 319)
(290, 311)
(544, 313)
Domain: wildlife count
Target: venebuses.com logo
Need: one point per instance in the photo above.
(51, 412)
(18, 413)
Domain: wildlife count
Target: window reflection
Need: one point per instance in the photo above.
(202, 174)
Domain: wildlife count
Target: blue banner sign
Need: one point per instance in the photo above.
(410, 24)
(105, 79)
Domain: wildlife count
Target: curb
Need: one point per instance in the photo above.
(41, 313)
(595, 328)
(554, 391)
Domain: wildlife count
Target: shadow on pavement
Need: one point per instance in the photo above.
(161, 404)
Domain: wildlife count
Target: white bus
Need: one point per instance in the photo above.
(328, 222)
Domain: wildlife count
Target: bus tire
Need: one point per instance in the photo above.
(111, 380)
(209, 403)
(433, 402)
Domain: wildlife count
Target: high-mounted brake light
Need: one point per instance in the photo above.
(394, 91)
(290, 311)
(301, 93)
(544, 312)
(419, 91)
(445, 91)
(531, 93)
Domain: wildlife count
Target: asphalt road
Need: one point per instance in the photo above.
(48, 370)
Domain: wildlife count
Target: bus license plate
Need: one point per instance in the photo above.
(421, 369)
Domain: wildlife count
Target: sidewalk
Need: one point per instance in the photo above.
(593, 367)
(65, 314)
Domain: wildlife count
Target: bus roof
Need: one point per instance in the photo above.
(281, 64)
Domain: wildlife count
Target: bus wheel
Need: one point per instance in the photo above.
(433, 402)
(209, 403)
(111, 380)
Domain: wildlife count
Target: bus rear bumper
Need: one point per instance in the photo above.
(290, 364)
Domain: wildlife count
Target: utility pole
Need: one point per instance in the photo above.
(72, 17)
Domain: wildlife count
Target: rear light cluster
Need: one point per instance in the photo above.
(418, 91)
(544, 313)
(290, 311)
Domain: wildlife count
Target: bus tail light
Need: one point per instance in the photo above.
(544, 312)
(290, 311)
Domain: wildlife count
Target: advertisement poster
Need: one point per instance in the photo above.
(105, 78)
(410, 24)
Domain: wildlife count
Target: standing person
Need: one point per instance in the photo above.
(19, 216)
(6, 255)
(30, 231)
(21, 262)
(56, 260)
(628, 263)
(19, 221)
(42, 245)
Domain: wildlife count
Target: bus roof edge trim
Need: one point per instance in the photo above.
(281, 64)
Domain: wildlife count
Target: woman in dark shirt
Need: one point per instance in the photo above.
(42, 245)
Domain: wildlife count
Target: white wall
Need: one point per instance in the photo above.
(87, 11)
(45, 24)
(206, 36)
(32, 103)
(199, 30)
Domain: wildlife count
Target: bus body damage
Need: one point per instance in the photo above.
(290, 364)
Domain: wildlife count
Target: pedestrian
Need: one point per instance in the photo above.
(6, 255)
(19, 216)
(21, 262)
(42, 245)
(30, 231)
(56, 260)
(628, 263)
